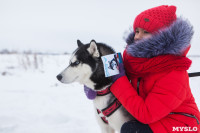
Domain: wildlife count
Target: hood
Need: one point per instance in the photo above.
(174, 40)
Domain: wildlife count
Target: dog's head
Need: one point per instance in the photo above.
(85, 64)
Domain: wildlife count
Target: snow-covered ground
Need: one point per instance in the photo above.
(33, 101)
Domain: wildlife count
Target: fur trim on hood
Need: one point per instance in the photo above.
(173, 40)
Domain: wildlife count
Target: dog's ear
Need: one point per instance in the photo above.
(93, 50)
(79, 43)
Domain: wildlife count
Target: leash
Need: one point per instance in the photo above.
(106, 112)
(195, 74)
(186, 114)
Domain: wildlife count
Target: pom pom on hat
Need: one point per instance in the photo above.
(155, 18)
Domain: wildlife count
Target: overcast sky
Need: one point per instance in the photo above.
(55, 25)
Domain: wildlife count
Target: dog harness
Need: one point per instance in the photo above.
(106, 112)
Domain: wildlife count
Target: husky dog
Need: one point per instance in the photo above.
(86, 67)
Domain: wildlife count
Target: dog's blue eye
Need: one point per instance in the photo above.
(75, 63)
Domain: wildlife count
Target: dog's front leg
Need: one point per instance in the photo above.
(105, 128)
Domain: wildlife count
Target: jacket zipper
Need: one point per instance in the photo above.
(185, 114)
(138, 85)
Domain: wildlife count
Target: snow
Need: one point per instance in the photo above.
(33, 101)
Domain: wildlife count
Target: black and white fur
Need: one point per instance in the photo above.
(86, 67)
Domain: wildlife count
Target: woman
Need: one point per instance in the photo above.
(155, 89)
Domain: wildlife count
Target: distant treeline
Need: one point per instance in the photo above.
(6, 51)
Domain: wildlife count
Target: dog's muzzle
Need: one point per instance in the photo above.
(59, 77)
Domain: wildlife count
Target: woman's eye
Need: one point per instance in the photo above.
(137, 31)
(146, 32)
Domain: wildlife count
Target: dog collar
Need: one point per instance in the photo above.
(104, 92)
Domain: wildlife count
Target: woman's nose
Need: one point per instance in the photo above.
(138, 36)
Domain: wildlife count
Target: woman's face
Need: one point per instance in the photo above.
(141, 34)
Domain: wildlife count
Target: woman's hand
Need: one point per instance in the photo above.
(121, 73)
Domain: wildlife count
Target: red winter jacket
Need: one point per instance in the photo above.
(156, 89)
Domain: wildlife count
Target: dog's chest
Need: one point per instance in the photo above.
(102, 102)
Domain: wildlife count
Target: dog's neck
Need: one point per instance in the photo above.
(96, 86)
(89, 83)
(99, 79)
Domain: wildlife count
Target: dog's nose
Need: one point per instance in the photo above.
(59, 77)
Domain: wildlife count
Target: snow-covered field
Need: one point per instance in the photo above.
(33, 101)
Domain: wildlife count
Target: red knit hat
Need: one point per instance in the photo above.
(155, 18)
